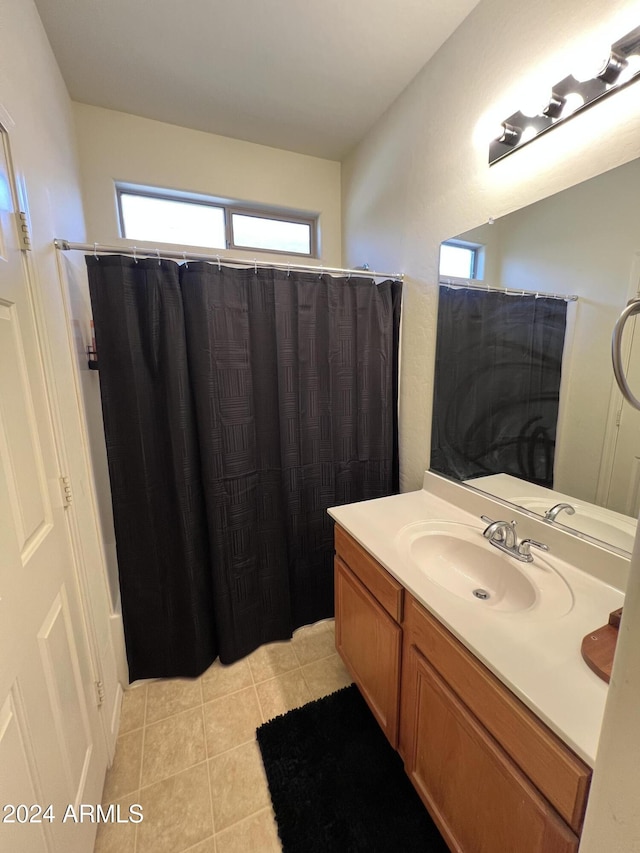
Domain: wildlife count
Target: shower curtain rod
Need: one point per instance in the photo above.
(466, 284)
(141, 251)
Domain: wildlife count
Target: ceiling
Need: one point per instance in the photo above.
(306, 76)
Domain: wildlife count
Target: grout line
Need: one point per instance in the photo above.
(178, 773)
(206, 752)
(236, 823)
(262, 714)
(198, 843)
(144, 729)
(232, 693)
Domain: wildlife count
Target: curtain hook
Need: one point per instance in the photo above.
(321, 272)
(95, 251)
(219, 266)
(255, 266)
(135, 256)
(288, 270)
(186, 262)
(158, 254)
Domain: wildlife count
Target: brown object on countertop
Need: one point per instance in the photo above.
(599, 647)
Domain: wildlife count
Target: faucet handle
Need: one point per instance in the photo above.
(524, 547)
(486, 519)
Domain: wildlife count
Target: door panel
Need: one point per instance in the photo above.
(52, 750)
(19, 448)
(66, 698)
(19, 786)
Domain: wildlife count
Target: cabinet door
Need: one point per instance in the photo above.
(369, 642)
(480, 800)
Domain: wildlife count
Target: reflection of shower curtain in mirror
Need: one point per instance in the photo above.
(497, 384)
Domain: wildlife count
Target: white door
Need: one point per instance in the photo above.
(624, 485)
(52, 752)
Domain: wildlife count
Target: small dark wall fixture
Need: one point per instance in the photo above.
(570, 96)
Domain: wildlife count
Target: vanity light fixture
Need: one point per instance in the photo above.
(570, 96)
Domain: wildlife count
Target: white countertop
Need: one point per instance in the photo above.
(537, 658)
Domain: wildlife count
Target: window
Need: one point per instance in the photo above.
(460, 260)
(165, 217)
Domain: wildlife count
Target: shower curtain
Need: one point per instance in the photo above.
(497, 384)
(238, 405)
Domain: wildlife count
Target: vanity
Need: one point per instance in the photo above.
(485, 696)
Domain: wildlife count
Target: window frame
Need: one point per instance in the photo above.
(477, 271)
(229, 208)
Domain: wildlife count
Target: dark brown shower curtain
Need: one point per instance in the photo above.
(238, 406)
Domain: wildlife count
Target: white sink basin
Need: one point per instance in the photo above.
(457, 557)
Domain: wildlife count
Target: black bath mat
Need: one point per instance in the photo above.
(336, 784)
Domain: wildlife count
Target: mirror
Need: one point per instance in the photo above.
(585, 241)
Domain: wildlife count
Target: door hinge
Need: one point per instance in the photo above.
(67, 494)
(618, 417)
(100, 693)
(24, 234)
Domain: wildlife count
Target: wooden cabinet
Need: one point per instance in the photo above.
(493, 777)
(368, 636)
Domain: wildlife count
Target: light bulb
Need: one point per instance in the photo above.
(573, 101)
(588, 69)
(534, 106)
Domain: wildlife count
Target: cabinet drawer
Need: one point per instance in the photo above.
(385, 588)
(552, 767)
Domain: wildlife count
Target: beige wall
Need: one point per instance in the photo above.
(421, 176)
(115, 146)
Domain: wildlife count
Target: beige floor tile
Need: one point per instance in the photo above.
(282, 694)
(165, 698)
(221, 680)
(177, 813)
(271, 660)
(123, 776)
(172, 745)
(133, 707)
(231, 721)
(238, 785)
(325, 676)
(313, 643)
(113, 837)
(257, 834)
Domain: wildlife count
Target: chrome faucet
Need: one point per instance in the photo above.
(503, 535)
(552, 514)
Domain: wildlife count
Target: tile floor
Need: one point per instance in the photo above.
(187, 749)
